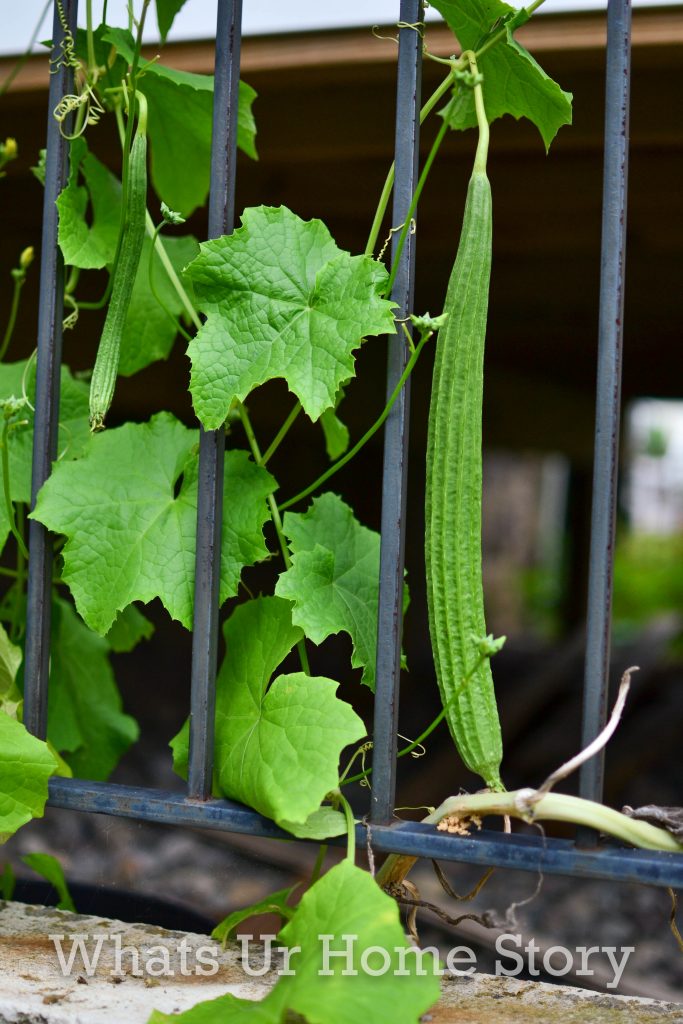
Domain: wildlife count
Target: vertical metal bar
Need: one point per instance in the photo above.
(48, 364)
(395, 472)
(212, 443)
(608, 397)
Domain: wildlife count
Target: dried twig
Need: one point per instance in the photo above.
(597, 744)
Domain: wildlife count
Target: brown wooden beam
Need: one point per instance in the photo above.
(359, 47)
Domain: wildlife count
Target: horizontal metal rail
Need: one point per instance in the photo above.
(517, 852)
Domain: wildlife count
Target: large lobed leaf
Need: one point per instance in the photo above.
(281, 300)
(348, 902)
(86, 723)
(89, 216)
(25, 766)
(86, 726)
(128, 510)
(344, 910)
(151, 321)
(180, 111)
(17, 379)
(514, 83)
(10, 661)
(129, 628)
(88, 243)
(277, 744)
(333, 581)
(166, 12)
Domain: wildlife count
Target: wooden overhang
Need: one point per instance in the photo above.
(325, 115)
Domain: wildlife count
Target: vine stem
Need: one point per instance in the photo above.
(17, 611)
(522, 803)
(243, 414)
(430, 728)
(523, 15)
(281, 434)
(14, 310)
(350, 827)
(90, 37)
(426, 110)
(481, 156)
(436, 145)
(128, 137)
(318, 866)
(275, 516)
(340, 463)
(6, 489)
(171, 272)
(152, 287)
(71, 284)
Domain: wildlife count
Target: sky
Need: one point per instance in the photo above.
(197, 19)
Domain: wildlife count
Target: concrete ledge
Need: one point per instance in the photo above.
(140, 968)
(35, 990)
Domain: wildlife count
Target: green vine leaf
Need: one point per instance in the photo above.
(129, 628)
(180, 110)
(128, 510)
(166, 12)
(8, 882)
(514, 83)
(87, 730)
(281, 301)
(89, 218)
(277, 745)
(116, 66)
(74, 429)
(49, 868)
(226, 1008)
(336, 435)
(4, 522)
(88, 244)
(10, 660)
(283, 758)
(86, 723)
(151, 328)
(325, 823)
(25, 766)
(275, 903)
(334, 577)
(344, 910)
(348, 902)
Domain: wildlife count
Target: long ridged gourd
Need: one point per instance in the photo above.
(453, 498)
(106, 368)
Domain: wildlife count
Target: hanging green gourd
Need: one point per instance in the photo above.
(132, 235)
(453, 490)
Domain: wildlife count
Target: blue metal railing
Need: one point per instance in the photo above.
(532, 853)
